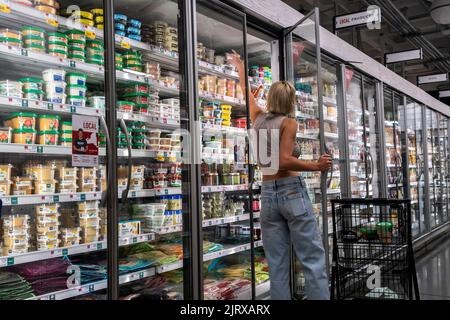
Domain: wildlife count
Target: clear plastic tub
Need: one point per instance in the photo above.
(65, 142)
(58, 53)
(5, 135)
(66, 126)
(24, 136)
(5, 188)
(11, 88)
(57, 37)
(97, 102)
(11, 42)
(77, 45)
(46, 209)
(33, 32)
(32, 83)
(76, 35)
(58, 45)
(51, 75)
(5, 172)
(10, 33)
(48, 122)
(88, 205)
(45, 186)
(49, 138)
(76, 79)
(40, 172)
(76, 90)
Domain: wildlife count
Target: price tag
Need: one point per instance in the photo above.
(166, 191)
(4, 6)
(24, 52)
(10, 261)
(91, 288)
(141, 275)
(65, 252)
(90, 34)
(50, 106)
(73, 109)
(52, 20)
(52, 297)
(55, 199)
(24, 103)
(133, 194)
(40, 149)
(83, 197)
(124, 44)
(99, 246)
(135, 240)
(149, 237)
(14, 200)
(73, 64)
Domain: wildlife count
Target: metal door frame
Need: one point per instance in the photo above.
(426, 172)
(382, 139)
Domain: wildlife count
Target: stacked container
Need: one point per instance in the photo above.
(95, 52)
(16, 234)
(87, 179)
(58, 44)
(133, 29)
(120, 24)
(47, 6)
(76, 89)
(89, 221)
(48, 129)
(132, 60)
(33, 39)
(55, 86)
(77, 45)
(67, 177)
(43, 177)
(98, 18)
(47, 226)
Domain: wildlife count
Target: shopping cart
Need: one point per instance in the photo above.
(372, 250)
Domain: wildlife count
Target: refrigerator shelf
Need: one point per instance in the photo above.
(329, 101)
(226, 220)
(260, 290)
(331, 120)
(36, 62)
(82, 196)
(222, 100)
(230, 251)
(73, 250)
(214, 70)
(169, 229)
(229, 188)
(223, 129)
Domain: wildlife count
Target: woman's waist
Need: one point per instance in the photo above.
(283, 183)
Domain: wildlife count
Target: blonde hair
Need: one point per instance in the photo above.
(281, 98)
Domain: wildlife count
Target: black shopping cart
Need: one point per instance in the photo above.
(372, 250)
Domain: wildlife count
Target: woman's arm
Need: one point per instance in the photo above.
(236, 61)
(291, 163)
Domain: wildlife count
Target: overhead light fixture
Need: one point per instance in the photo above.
(440, 11)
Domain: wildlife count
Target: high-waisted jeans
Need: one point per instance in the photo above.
(287, 214)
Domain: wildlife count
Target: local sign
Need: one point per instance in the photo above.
(371, 16)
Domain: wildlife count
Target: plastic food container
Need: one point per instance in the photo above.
(97, 102)
(33, 32)
(21, 120)
(67, 187)
(58, 45)
(77, 44)
(48, 138)
(138, 98)
(40, 172)
(58, 53)
(66, 134)
(95, 44)
(36, 48)
(11, 34)
(44, 186)
(87, 174)
(57, 38)
(66, 142)
(50, 3)
(11, 88)
(137, 88)
(5, 137)
(76, 57)
(76, 35)
(125, 106)
(99, 20)
(76, 79)
(142, 108)
(48, 122)
(56, 97)
(33, 94)
(84, 15)
(11, 42)
(33, 40)
(51, 75)
(55, 87)
(32, 83)
(46, 209)
(77, 101)
(76, 90)
(120, 18)
(133, 31)
(24, 136)
(66, 126)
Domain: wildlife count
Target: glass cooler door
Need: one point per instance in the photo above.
(52, 183)
(433, 162)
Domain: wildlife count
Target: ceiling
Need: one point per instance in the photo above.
(406, 24)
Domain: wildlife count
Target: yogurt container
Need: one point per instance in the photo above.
(33, 94)
(48, 122)
(24, 136)
(121, 18)
(76, 79)
(77, 101)
(48, 138)
(57, 37)
(55, 97)
(21, 120)
(32, 83)
(58, 87)
(50, 75)
(76, 90)
(97, 102)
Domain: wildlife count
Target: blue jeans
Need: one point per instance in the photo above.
(287, 214)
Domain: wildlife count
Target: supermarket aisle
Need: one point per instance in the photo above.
(433, 273)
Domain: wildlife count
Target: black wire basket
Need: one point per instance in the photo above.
(372, 250)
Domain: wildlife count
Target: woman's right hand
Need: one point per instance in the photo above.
(324, 163)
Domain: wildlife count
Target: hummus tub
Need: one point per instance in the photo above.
(66, 126)
(24, 136)
(10, 33)
(58, 53)
(51, 75)
(76, 35)
(49, 122)
(48, 138)
(21, 120)
(76, 90)
(74, 78)
(32, 83)
(33, 94)
(58, 45)
(57, 37)
(11, 88)
(66, 142)
(5, 137)
(33, 31)
(11, 42)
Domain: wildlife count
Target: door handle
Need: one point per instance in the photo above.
(127, 189)
(108, 151)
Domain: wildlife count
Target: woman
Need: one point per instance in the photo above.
(287, 211)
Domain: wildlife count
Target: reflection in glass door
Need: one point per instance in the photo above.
(433, 164)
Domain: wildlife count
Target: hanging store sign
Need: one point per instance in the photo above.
(84, 141)
(433, 78)
(444, 94)
(371, 16)
(401, 56)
